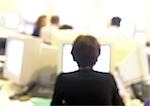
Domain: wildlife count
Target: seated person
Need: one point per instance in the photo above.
(41, 22)
(86, 86)
(65, 27)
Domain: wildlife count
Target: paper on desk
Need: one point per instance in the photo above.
(41, 102)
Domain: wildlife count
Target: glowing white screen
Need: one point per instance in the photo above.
(102, 65)
(14, 54)
(11, 20)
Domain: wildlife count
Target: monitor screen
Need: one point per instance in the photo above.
(10, 20)
(102, 65)
(14, 54)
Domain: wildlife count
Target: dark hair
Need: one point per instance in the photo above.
(54, 20)
(39, 21)
(65, 27)
(38, 25)
(116, 21)
(86, 50)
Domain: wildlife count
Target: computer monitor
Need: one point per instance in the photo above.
(25, 56)
(102, 65)
(11, 20)
(134, 67)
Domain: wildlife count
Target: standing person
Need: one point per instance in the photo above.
(86, 86)
(113, 28)
(41, 22)
(116, 21)
(48, 31)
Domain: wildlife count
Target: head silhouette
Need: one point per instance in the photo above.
(115, 21)
(85, 51)
(55, 20)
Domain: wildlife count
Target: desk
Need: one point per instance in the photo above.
(2, 58)
(5, 92)
(4, 97)
(1, 65)
(147, 49)
(5, 33)
(6, 89)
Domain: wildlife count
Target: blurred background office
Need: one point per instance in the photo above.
(95, 13)
(128, 51)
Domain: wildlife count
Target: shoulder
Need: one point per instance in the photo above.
(36, 32)
(45, 28)
(66, 76)
(36, 29)
(103, 73)
(107, 76)
(111, 79)
(62, 75)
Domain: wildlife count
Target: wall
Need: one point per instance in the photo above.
(7, 5)
(95, 12)
(26, 7)
(148, 22)
(31, 9)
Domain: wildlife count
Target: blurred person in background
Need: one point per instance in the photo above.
(113, 28)
(47, 31)
(40, 23)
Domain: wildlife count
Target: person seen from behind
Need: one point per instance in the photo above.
(86, 86)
